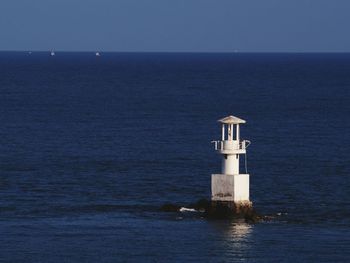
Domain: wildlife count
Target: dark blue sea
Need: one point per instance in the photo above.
(92, 147)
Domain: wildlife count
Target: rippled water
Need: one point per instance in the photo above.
(90, 148)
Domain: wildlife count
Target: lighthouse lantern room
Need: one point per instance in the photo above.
(231, 185)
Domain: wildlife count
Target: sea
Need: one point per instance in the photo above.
(92, 147)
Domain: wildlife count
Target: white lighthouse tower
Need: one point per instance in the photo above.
(231, 187)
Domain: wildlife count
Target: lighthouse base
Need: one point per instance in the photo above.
(230, 197)
(231, 209)
(230, 187)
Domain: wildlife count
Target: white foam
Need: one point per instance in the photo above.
(184, 209)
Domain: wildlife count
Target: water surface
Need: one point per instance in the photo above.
(91, 147)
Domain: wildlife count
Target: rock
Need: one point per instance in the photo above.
(220, 210)
(201, 205)
(170, 208)
(232, 210)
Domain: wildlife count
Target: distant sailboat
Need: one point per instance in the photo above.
(52, 53)
(97, 54)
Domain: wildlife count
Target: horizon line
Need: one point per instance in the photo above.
(174, 52)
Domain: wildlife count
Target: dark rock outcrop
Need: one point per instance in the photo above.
(170, 208)
(232, 210)
(220, 210)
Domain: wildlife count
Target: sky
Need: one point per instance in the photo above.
(176, 25)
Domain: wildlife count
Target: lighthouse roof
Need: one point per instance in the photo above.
(231, 120)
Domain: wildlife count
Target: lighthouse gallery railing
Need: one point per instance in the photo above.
(219, 145)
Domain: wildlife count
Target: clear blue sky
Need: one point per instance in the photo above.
(176, 25)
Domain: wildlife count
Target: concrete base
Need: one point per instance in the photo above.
(230, 187)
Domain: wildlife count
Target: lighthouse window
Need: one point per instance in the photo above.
(236, 156)
(225, 156)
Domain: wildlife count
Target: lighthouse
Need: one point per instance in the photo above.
(230, 188)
